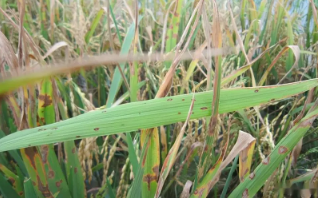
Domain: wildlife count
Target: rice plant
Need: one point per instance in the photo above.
(176, 98)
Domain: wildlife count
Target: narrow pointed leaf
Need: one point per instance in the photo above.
(148, 114)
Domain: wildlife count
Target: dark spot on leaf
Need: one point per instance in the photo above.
(149, 178)
(273, 99)
(245, 194)
(252, 175)
(46, 100)
(204, 108)
(21, 193)
(41, 129)
(58, 183)
(104, 111)
(96, 129)
(12, 181)
(31, 153)
(266, 161)
(44, 189)
(246, 171)
(179, 112)
(170, 99)
(78, 136)
(44, 152)
(51, 174)
(156, 170)
(256, 91)
(73, 150)
(282, 149)
(75, 170)
(182, 99)
(33, 183)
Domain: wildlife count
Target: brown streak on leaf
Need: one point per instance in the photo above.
(44, 152)
(43, 189)
(30, 154)
(46, 100)
(149, 178)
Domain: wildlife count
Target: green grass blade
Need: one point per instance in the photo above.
(229, 178)
(117, 78)
(151, 163)
(136, 189)
(149, 114)
(14, 179)
(36, 170)
(6, 189)
(74, 171)
(95, 22)
(46, 111)
(28, 189)
(256, 180)
(132, 154)
(16, 156)
(173, 29)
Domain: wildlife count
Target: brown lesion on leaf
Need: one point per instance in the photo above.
(58, 183)
(170, 99)
(282, 149)
(51, 174)
(252, 175)
(183, 99)
(31, 152)
(44, 152)
(73, 150)
(256, 91)
(148, 179)
(244, 159)
(266, 161)
(155, 169)
(246, 171)
(46, 100)
(163, 147)
(175, 36)
(203, 108)
(199, 192)
(75, 170)
(44, 189)
(96, 129)
(78, 136)
(12, 181)
(41, 129)
(21, 193)
(245, 193)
